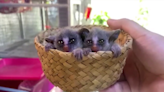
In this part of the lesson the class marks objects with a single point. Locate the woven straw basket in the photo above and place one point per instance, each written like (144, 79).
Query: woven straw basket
(96, 71)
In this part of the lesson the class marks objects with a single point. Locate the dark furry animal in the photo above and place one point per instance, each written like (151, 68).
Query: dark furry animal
(66, 40)
(100, 40)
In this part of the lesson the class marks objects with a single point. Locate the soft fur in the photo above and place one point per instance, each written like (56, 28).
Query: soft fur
(100, 40)
(66, 40)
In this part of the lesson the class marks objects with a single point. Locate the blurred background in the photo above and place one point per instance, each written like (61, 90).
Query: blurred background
(19, 25)
(26, 24)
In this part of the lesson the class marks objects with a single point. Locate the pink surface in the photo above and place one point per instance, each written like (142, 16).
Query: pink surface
(44, 85)
(20, 69)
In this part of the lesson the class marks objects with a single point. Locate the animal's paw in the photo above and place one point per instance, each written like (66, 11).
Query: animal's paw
(86, 51)
(116, 50)
(48, 46)
(78, 54)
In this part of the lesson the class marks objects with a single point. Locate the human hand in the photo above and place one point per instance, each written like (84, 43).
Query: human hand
(144, 69)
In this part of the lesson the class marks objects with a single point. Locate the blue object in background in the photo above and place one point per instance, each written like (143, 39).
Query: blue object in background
(5, 89)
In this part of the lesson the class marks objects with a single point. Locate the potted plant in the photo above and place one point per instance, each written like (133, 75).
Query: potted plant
(101, 18)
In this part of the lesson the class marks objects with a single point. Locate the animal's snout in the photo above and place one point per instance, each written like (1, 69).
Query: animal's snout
(94, 48)
(66, 49)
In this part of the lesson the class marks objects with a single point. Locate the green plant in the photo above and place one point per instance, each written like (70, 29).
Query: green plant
(101, 19)
(142, 17)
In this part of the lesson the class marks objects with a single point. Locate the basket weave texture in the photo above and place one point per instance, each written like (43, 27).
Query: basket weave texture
(96, 71)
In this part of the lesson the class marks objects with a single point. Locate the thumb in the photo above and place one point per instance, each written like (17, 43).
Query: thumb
(129, 26)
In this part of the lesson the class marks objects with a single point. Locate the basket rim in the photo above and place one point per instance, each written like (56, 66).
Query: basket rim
(126, 45)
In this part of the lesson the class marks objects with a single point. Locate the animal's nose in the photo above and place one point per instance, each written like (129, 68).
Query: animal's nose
(94, 48)
(66, 49)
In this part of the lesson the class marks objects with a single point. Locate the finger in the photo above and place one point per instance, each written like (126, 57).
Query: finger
(129, 26)
(122, 78)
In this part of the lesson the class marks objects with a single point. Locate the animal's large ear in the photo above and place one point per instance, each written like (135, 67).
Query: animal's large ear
(50, 39)
(114, 35)
(83, 32)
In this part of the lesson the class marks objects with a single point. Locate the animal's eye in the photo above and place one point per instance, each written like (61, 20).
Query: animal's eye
(89, 41)
(101, 41)
(72, 40)
(60, 42)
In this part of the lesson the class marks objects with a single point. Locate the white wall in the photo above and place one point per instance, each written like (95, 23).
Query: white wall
(129, 8)
(156, 16)
(115, 8)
